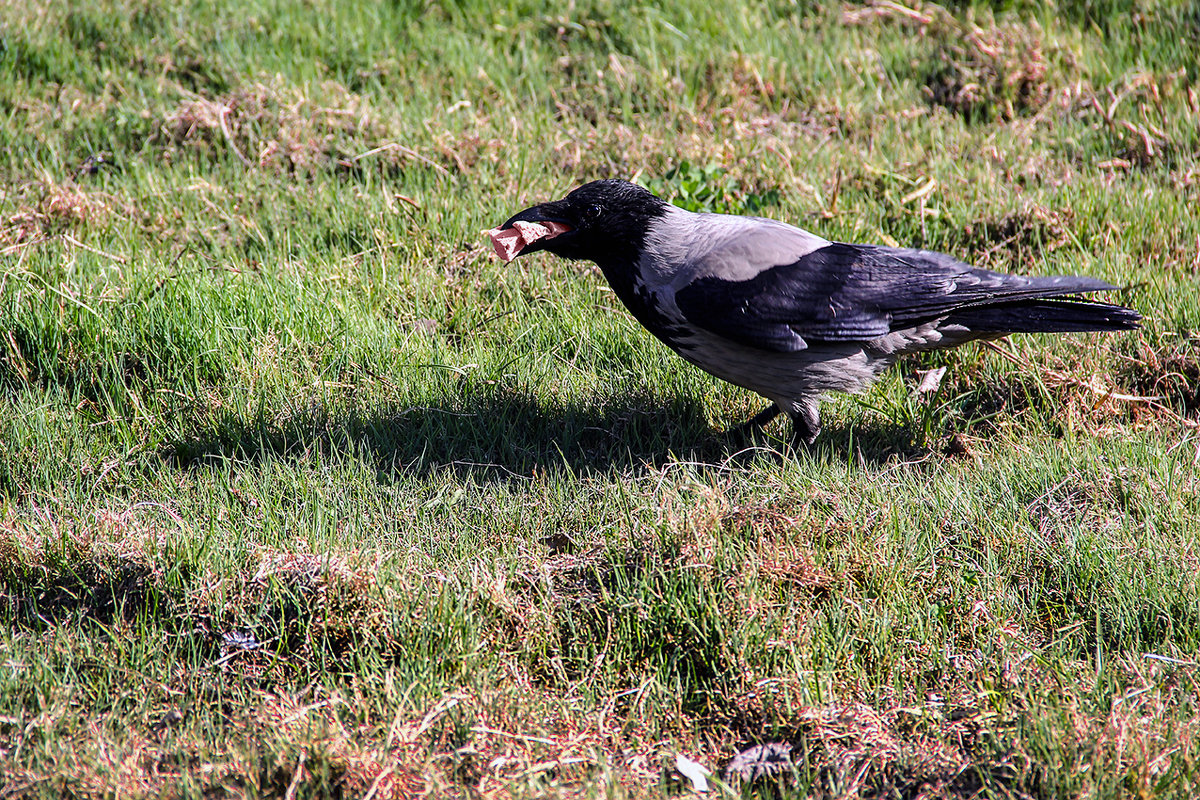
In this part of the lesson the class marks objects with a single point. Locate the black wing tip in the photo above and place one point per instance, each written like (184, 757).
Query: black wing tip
(1069, 307)
(1111, 316)
(1056, 315)
(1126, 319)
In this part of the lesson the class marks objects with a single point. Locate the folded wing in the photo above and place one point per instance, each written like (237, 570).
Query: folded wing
(843, 292)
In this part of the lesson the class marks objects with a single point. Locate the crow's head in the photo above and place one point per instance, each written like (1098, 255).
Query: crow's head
(600, 221)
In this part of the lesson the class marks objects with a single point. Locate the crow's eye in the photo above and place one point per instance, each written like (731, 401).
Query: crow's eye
(594, 210)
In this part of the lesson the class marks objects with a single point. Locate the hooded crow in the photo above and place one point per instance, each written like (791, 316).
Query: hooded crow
(781, 311)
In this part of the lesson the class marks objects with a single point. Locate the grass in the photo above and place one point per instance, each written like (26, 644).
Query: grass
(303, 494)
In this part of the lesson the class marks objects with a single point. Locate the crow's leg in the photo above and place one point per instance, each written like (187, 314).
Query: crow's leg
(806, 421)
(754, 423)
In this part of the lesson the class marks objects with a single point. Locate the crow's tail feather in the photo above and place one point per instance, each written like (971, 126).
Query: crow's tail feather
(1046, 316)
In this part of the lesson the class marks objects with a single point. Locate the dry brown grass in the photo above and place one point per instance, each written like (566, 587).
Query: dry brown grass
(105, 568)
(1171, 372)
(983, 70)
(996, 71)
(1018, 239)
(1132, 110)
(44, 541)
(48, 208)
(278, 127)
(541, 737)
(317, 740)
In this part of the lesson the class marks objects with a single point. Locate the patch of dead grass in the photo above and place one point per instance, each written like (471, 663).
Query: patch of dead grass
(983, 70)
(47, 208)
(100, 568)
(459, 745)
(782, 550)
(793, 565)
(1103, 401)
(861, 747)
(1018, 239)
(546, 740)
(294, 608)
(1133, 111)
(462, 744)
(996, 71)
(314, 740)
(277, 127)
(1171, 372)
(972, 736)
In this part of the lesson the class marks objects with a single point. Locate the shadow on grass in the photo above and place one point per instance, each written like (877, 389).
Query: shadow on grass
(503, 436)
(105, 590)
(516, 436)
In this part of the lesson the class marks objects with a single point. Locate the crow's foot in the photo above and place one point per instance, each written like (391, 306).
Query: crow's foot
(742, 432)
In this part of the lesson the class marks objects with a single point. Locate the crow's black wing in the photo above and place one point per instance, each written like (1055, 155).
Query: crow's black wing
(844, 292)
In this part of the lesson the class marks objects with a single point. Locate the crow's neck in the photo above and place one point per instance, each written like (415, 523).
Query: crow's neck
(640, 301)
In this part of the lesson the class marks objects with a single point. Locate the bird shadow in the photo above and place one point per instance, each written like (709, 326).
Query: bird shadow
(512, 436)
(499, 437)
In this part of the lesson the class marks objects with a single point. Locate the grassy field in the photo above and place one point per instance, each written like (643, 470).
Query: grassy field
(304, 494)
